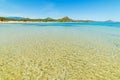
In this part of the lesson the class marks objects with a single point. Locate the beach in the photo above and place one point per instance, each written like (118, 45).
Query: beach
(15, 22)
(59, 51)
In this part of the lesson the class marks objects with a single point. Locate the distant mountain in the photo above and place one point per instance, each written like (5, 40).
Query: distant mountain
(48, 19)
(65, 19)
(16, 18)
(109, 21)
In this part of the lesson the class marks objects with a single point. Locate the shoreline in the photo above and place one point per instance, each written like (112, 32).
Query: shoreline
(15, 22)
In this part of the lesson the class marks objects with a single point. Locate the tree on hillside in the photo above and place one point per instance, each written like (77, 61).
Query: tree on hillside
(2, 19)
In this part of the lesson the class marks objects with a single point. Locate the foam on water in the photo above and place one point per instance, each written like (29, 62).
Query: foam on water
(60, 51)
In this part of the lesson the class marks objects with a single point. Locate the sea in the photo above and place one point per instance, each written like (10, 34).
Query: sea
(60, 51)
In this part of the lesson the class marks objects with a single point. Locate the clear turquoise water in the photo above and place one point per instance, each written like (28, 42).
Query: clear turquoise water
(96, 32)
(104, 35)
(59, 51)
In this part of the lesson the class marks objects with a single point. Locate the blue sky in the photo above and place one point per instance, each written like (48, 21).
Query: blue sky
(76, 9)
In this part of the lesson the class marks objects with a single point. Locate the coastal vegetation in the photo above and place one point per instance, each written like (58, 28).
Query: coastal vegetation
(48, 19)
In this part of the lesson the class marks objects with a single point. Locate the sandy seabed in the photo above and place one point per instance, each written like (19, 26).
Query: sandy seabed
(40, 58)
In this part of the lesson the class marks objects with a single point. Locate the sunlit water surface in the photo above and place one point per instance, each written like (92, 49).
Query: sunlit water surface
(60, 51)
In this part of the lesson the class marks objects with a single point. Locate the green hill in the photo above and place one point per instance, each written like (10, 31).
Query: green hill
(48, 19)
(65, 19)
